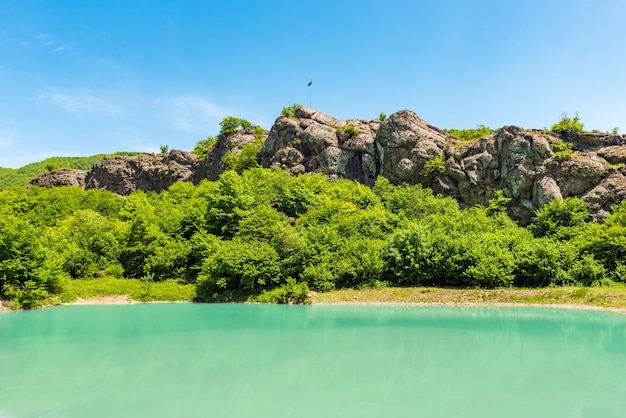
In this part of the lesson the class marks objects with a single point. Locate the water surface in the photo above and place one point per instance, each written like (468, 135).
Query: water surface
(188, 360)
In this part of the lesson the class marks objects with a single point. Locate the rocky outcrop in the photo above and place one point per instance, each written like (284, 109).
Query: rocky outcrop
(405, 149)
(313, 142)
(123, 175)
(211, 167)
(60, 177)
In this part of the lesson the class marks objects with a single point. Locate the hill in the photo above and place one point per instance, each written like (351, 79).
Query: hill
(21, 176)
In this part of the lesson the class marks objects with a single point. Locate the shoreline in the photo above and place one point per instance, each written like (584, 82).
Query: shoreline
(126, 300)
(485, 305)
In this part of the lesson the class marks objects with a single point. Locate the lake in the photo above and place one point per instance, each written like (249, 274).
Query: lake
(242, 360)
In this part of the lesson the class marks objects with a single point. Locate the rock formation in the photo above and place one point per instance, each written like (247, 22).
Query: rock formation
(524, 164)
(212, 166)
(123, 175)
(60, 177)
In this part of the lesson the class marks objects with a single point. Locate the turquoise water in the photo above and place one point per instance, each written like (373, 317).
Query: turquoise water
(188, 360)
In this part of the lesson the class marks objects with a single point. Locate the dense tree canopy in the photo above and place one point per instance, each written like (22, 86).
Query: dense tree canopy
(265, 233)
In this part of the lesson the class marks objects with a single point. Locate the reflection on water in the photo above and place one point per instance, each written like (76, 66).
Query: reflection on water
(337, 361)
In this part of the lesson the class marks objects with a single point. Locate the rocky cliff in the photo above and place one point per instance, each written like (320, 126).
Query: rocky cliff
(530, 166)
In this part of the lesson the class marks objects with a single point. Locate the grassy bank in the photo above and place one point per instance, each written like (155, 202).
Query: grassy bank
(613, 297)
(137, 290)
(604, 297)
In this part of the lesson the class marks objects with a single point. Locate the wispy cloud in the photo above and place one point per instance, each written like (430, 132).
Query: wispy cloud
(81, 103)
(41, 39)
(194, 114)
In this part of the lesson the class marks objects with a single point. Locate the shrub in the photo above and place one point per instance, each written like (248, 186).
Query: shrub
(382, 117)
(351, 130)
(498, 204)
(291, 292)
(240, 264)
(468, 135)
(568, 125)
(290, 111)
(204, 146)
(434, 167)
(560, 219)
(562, 150)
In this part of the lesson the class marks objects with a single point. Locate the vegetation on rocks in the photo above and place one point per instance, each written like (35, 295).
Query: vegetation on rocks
(290, 111)
(568, 125)
(468, 135)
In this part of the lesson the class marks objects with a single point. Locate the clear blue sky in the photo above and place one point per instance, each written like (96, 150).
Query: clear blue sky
(86, 77)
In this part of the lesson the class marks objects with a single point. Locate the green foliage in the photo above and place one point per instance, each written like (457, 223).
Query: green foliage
(562, 150)
(263, 235)
(434, 167)
(164, 149)
(291, 292)
(290, 111)
(245, 159)
(568, 125)
(229, 125)
(382, 117)
(29, 272)
(469, 135)
(52, 167)
(237, 264)
(498, 204)
(560, 219)
(351, 130)
(615, 130)
(204, 146)
(607, 242)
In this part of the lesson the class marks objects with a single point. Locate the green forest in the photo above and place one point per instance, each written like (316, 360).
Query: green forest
(265, 236)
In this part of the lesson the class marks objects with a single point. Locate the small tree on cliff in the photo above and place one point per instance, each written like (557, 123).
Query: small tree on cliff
(229, 125)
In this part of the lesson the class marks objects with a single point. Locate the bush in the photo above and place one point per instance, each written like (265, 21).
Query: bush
(291, 292)
(204, 146)
(238, 264)
(351, 130)
(382, 117)
(434, 167)
(560, 219)
(568, 125)
(468, 135)
(562, 150)
(290, 111)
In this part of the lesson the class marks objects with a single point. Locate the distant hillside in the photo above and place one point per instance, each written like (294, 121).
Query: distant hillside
(21, 176)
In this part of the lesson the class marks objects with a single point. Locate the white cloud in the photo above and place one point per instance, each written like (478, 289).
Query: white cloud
(194, 114)
(61, 48)
(81, 103)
